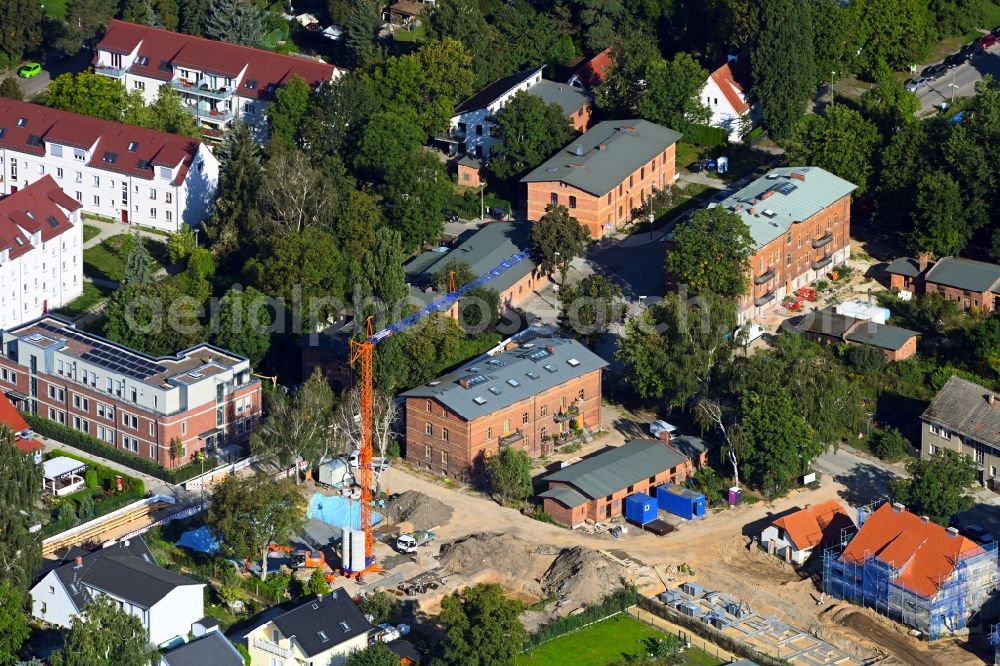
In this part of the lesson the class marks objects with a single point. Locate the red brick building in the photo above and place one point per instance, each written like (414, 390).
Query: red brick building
(971, 284)
(800, 221)
(826, 327)
(595, 488)
(204, 396)
(526, 398)
(606, 176)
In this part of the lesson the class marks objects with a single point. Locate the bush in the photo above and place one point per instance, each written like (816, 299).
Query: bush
(393, 450)
(706, 136)
(92, 445)
(86, 510)
(889, 445)
(616, 602)
(863, 359)
(244, 652)
(543, 516)
(378, 605)
(90, 478)
(67, 512)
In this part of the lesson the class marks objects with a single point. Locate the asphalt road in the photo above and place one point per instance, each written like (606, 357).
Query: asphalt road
(52, 69)
(961, 80)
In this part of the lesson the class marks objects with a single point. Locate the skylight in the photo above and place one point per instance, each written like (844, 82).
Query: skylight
(346, 627)
(549, 367)
(323, 637)
(21, 122)
(538, 355)
(132, 146)
(479, 400)
(533, 375)
(495, 390)
(514, 382)
(573, 362)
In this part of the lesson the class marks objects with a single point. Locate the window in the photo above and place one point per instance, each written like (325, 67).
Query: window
(139, 85)
(506, 426)
(109, 384)
(97, 200)
(542, 432)
(13, 169)
(152, 194)
(79, 155)
(524, 417)
(59, 172)
(152, 213)
(96, 182)
(41, 169)
(581, 394)
(219, 416)
(489, 434)
(428, 406)
(134, 395)
(572, 201)
(943, 433)
(168, 197)
(55, 150)
(788, 259)
(479, 130)
(788, 239)
(543, 410)
(554, 199)
(444, 458)
(79, 196)
(428, 429)
(428, 451)
(248, 108)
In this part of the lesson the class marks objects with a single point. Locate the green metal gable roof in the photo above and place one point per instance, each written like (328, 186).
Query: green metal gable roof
(483, 251)
(771, 204)
(584, 164)
(964, 274)
(881, 335)
(907, 266)
(564, 495)
(618, 468)
(506, 379)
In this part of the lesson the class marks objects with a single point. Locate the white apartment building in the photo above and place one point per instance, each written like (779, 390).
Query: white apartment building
(41, 252)
(217, 81)
(128, 173)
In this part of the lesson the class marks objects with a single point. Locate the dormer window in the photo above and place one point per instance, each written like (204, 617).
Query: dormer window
(142, 61)
(132, 146)
(21, 122)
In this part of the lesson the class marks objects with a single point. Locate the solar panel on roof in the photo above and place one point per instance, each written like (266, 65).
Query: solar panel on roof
(787, 188)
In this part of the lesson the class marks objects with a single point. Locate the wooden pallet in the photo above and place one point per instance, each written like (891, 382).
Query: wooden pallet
(93, 533)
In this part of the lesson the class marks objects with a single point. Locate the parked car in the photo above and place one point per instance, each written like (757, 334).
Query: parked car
(657, 428)
(954, 60)
(29, 70)
(969, 51)
(696, 167)
(935, 71)
(987, 40)
(978, 534)
(916, 83)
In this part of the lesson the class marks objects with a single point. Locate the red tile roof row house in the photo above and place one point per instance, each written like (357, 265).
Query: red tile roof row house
(105, 164)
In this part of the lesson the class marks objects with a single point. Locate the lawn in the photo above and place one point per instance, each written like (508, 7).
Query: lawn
(89, 231)
(91, 296)
(602, 643)
(410, 35)
(106, 261)
(54, 9)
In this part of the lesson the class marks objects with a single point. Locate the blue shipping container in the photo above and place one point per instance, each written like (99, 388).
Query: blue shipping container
(680, 501)
(640, 508)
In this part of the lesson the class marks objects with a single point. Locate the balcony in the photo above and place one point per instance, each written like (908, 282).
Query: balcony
(764, 300)
(272, 648)
(764, 277)
(566, 415)
(113, 72)
(510, 438)
(820, 242)
(822, 263)
(202, 89)
(207, 113)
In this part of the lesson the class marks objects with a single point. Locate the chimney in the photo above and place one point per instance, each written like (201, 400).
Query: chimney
(808, 506)
(665, 437)
(992, 399)
(550, 349)
(752, 211)
(952, 532)
(78, 562)
(464, 383)
(795, 175)
(767, 195)
(897, 507)
(602, 146)
(923, 259)
(924, 519)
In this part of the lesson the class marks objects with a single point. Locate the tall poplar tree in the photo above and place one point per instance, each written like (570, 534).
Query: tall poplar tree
(784, 72)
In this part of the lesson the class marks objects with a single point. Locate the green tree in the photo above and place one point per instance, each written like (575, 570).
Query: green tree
(415, 195)
(528, 131)
(509, 474)
(481, 626)
(192, 16)
(983, 344)
(780, 441)
(248, 513)
(673, 93)
(889, 445)
(360, 31)
(590, 307)
(379, 605)
(712, 252)
(708, 483)
(354, 229)
(784, 73)
(154, 318)
(833, 40)
(840, 141)
(383, 273)
(181, 244)
(83, 20)
(466, 21)
(236, 21)
(387, 140)
(623, 87)
(287, 112)
(22, 28)
(241, 174)
(87, 93)
(141, 11)
(938, 486)
(940, 226)
(301, 268)
(374, 655)
(674, 350)
(177, 449)
(462, 271)
(888, 104)
(316, 584)
(14, 620)
(889, 32)
(244, 324)
(11, 89)
(104, 635)
(167, 114)
(556, 239)
(139, 265)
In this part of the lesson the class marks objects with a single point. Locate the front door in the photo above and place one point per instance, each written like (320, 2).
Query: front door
(13, 188)
(124, 215)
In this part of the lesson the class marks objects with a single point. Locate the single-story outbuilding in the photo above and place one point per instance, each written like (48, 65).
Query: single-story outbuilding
(796, 535)
(826, 327)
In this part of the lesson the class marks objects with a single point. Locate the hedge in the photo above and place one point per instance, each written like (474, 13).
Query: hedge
(105, 475)
(89, 444)
(706, 136)
(616, 602)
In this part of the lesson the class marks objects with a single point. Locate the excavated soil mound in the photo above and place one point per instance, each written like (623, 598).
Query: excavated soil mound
(507, 556)
(419, 510)
(581, 576)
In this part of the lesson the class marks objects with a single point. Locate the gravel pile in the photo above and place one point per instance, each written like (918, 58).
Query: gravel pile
(417, 509)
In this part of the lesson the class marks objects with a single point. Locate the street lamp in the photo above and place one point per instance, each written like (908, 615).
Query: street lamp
(651, 218)
(953, 85)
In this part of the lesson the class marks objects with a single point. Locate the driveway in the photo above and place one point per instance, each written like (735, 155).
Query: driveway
(51, 69)
(959, 82)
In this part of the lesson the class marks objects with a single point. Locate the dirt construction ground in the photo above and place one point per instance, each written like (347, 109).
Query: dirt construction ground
(714, 548)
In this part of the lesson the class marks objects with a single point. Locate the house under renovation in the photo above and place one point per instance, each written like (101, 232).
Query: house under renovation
(911, 570)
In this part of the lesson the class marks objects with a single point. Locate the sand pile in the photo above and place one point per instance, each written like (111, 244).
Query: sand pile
(508, 556)
(581, 576)
(417, 509)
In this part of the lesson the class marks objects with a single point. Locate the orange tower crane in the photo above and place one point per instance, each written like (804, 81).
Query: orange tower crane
(362, 353)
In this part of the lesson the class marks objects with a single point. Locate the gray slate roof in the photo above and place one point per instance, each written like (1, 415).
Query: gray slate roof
(212, 648)
(793, 200)
(483, 251)
(609, 472)
(907, 266)
(487, 95)
(964, 274)
(564, 495)
(628, 145)
(882, 336)
(307, 621)
(689, 445)
(962, 406)
(568, 98)
(510, 377)
(128, 572)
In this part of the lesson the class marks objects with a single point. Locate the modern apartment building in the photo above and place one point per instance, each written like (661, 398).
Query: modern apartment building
(606, 176)
(136, 175)
(800, 221)
(41, 252)
(204, 396)
(217, 81)
(964, 417)
(526, 397)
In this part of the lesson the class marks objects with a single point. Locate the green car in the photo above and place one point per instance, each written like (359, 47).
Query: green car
(29, 70)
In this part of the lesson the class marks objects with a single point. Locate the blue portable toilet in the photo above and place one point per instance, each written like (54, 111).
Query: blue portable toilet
(640, 508)
(680, 501)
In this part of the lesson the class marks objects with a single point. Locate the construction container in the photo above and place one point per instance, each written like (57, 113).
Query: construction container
(680, 501)
(862, 310)
(640, 508)
(334, 472)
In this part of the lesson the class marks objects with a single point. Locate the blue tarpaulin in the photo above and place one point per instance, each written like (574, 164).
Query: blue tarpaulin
(201, 540)
(338, 511)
